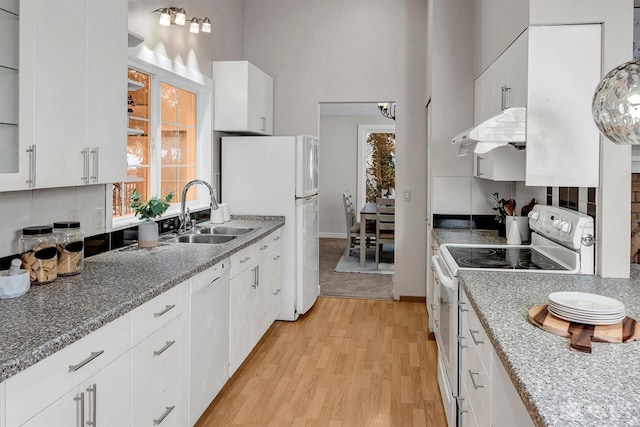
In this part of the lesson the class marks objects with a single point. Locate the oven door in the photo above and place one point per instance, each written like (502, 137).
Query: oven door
(446, 332)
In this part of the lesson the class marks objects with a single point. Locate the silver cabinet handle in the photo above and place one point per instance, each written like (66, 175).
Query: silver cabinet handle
(164, 348)
(213, 281)
(93, 391)
(435, 322)
(245, 259)
(478, 159)
(32, 166)
(95, 155)
(460, 345)
(80, 409)
(277, 238)
(164, 415)
(85, 169)
(460, 309)
(473, 380)
(461, 402)
(433, 268)
(264, 247)
(473, 337)
(277, 291)
(277, 258)
(434, 306)
(264, 123)
(94, 354)
(167, 308)
(255, 278)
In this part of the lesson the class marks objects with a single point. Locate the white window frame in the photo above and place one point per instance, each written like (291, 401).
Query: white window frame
(177, 75)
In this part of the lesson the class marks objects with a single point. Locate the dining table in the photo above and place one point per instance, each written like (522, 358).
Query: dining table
(368, 212)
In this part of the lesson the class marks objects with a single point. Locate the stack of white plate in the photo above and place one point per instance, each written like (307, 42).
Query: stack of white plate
(590, 309)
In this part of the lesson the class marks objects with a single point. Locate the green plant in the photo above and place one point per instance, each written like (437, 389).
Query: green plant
(153, 208)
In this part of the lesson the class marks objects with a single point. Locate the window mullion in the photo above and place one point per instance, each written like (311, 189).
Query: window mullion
(156, 139)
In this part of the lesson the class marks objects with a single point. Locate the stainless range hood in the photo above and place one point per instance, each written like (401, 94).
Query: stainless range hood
(509, 127)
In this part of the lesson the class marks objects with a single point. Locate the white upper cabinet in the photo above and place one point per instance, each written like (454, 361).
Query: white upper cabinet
(552, 71)
(563, 143)
(73, 93)
(243, 98)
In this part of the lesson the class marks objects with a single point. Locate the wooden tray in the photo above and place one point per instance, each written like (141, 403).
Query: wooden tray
(583, 335)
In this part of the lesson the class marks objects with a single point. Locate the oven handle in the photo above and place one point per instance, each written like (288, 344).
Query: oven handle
(444, 278)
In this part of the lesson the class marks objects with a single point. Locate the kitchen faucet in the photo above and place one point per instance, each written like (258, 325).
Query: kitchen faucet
(184, 217)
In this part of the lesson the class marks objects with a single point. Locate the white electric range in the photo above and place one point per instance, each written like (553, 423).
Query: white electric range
(562, 241)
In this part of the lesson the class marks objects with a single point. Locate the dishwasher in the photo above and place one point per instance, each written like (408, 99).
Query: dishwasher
(209, 337)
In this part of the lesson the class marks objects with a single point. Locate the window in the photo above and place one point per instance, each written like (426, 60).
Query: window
(168, 140)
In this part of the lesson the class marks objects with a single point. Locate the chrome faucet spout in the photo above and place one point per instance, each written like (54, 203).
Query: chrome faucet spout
(183, 215)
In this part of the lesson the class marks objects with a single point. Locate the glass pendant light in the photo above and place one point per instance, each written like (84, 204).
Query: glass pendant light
(616, 104)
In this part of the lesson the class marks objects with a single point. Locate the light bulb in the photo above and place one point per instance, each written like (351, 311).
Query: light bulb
(194, 27)
(181, 16)
(165, 17)
(206, 25)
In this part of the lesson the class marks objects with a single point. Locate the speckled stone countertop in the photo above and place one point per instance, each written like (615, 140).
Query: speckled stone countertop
(560, 387)
(482, 237)
(50, 317)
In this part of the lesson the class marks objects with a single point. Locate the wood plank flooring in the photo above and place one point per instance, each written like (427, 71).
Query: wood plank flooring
(348, 362)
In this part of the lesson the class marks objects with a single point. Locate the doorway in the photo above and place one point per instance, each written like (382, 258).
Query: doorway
(352, 137)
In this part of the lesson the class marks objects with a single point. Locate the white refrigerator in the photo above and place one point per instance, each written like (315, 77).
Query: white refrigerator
(278, 175)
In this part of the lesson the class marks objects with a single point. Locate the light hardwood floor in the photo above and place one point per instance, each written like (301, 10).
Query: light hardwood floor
(348, 362)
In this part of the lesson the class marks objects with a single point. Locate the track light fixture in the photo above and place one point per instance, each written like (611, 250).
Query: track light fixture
(178, 16)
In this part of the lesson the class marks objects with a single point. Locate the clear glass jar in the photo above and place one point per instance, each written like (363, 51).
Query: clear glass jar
(70, 244)
(38, 254)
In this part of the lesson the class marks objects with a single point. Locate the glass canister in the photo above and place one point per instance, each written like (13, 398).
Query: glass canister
(38, 254)
(70, 244)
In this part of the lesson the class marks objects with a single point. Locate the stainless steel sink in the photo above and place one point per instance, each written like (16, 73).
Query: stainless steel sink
(233, 231)
(211, 239)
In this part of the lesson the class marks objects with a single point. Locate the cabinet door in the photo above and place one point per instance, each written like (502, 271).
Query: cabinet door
(563, 143)
(66, 411)
(517, 60)
(276, 284)
(55, 105)
(260, 107)
(501, 164)
(241, 317)
(107, 394)
(107, 90)
(261, 293)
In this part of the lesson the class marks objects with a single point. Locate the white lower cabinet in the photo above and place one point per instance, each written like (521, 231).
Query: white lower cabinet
(275, 283)
(167, 410)
(90, 378)
(251, 297)
(487, 395)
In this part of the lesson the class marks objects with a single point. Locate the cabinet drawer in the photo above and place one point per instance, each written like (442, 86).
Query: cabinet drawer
(274, 238)
(32, 390)
(242, 260)
(479, 339)
(169, 409)
(157, 362)
(465, 411)
(159, 311)
(478, 383)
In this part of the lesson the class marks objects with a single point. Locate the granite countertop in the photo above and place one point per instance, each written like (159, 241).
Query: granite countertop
(50, 317)
(559, 387)
(482, 237)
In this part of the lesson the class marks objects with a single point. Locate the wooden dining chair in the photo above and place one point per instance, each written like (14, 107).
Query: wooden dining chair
(385, 224)
(353, 226)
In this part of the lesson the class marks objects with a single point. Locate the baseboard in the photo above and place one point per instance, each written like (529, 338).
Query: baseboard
(324, 235)
(409, 298)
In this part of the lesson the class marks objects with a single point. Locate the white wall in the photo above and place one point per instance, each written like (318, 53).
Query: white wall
(352, 51)
(195, 51)
(338, 167)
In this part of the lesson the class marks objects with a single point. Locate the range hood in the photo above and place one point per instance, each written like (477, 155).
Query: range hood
(508, 127)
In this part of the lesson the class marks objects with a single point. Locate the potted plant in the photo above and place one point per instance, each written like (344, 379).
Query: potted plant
(147, 211)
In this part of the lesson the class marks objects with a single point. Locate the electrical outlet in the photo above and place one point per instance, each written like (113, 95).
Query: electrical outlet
(73, 215)
(98, 218)
(407, 196)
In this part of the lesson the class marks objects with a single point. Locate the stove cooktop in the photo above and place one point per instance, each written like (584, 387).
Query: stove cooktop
(508, 258)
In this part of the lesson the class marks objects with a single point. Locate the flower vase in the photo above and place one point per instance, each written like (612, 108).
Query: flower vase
(148, 234)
